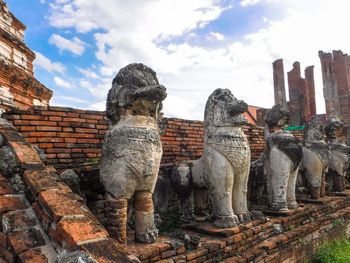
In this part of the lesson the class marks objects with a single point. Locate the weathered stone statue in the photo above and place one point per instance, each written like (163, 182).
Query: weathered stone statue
(224, 165)
(339, 156)
(315, 157)
(132, 149)
(283, 154)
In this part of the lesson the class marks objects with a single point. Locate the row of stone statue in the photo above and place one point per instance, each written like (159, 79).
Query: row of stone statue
(132, 152)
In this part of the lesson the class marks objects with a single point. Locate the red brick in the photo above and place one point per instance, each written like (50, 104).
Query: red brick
(99, 251)
(5, 188)
(83, 130)
(58, 204)
(48, 128)
(79, 230)
(33, 256)
(74, 119)
(17, 220)
(39, 181)
(27, 128)
(8, 203)
(42, 134)
(30, 117)
(196, 253)
(24, 240)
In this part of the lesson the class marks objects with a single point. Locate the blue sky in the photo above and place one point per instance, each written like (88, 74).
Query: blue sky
(194, 46)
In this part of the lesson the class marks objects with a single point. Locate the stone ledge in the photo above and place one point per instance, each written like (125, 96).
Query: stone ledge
(76, 225)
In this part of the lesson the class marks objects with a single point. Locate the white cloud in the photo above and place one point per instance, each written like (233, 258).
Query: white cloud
(142, 31)
(101, 106)
(89, 73)
(76, 46)
(100, 90)
(250, 2)
(62, 83)
(217, 36)
(73, 99)
(45, 63)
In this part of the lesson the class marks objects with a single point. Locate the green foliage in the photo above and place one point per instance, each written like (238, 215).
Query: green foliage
(290, 227)
(96, 160)
(334, 252)
(170, 222)
(338, 222)
(311, 219)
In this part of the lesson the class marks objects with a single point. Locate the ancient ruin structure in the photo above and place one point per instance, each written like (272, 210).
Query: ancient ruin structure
(223, 168)
(283, 154)
(315, 157)
(132, 149)
(50, 214)
(339, 156)
(301, 103)
(336, 85)
(18, 86)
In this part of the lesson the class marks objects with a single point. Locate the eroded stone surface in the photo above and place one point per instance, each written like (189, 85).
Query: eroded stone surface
(132, 148)
(283, 154)
(339, 156)
(315, 157)
(223, 168)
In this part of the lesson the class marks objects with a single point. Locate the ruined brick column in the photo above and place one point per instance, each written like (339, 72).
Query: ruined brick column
(278, 83)
(296, 86)
(330, 91)
(342, 73)
(310, 92)
(116, 217)
(336, 85)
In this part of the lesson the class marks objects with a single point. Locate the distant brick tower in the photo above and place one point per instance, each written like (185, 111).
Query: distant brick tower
(336, 84)
(301, 104)
(18, 86)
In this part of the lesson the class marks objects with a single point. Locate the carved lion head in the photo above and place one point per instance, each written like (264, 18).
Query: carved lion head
(136, 90)
(277, 117)
(314, 131)
(223, 109)
(332, 128)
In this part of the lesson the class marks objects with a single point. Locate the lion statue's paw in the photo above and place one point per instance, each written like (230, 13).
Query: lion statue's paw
(149, 237)
(244, 217)
(226, 221)
(293, 205)
(279, 206)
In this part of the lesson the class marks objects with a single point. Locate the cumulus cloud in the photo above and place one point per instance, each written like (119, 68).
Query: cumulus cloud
(216, 36)
(62, 83)
(143, 31)
(76, 46)
(89, 73)
(45, 63)
(73, 99)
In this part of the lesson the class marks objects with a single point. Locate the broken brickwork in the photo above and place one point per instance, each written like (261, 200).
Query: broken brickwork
(46, 220)
(301, 104)
(336, 84)
(18, 86)
(73, 138)
(279, 83)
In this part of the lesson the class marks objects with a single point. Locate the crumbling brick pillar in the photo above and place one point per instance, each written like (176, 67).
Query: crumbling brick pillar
(116, 218)
(279, 84)
(310, 92)
(144, 213)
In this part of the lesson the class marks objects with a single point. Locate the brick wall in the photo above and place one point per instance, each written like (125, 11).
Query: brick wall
(72, 138)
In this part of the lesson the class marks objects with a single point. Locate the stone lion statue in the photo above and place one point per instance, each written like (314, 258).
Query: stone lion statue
(339, 156)
(132, 148)
(315, 157)
(223, 168)
(282, 157)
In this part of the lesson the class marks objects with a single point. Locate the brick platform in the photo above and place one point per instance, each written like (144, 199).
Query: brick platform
(56, 218)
